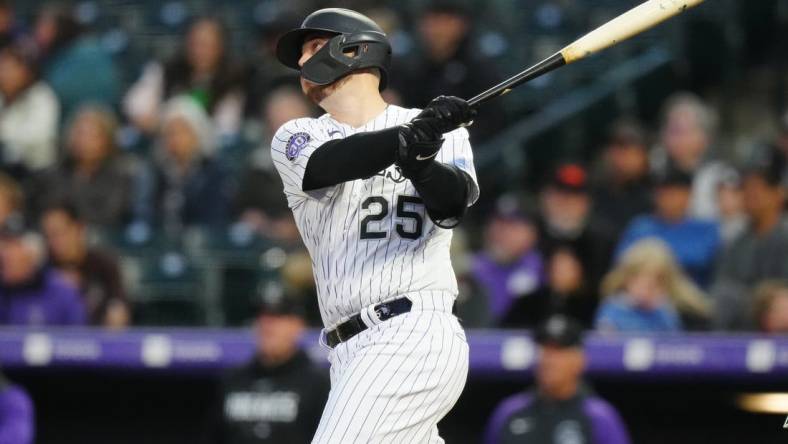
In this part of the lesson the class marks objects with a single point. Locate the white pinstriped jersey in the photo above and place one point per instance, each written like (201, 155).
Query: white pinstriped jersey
(370, 240)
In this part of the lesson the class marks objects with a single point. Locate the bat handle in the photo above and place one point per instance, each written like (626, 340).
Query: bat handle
(554, 61)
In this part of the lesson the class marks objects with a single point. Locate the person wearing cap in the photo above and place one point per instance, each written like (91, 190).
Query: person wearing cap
(17, 414)
(278, 396)
(561, 408)
(510, 267)
(566, 219)
(623, 188)
(760, 252)
(31, 294)
(450, 63)
(694, 242)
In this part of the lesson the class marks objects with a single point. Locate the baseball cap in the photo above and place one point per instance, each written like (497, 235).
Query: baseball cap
(273, 298)
(571, 177)
(509, 207)
(767, 163)
(559, 330)
(13, 226)
(673, 177)
(627, 133)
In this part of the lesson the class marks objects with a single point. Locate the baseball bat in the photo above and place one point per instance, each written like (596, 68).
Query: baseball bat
(636, 20)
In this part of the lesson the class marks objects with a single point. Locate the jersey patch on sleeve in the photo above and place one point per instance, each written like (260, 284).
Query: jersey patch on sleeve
(295, 144)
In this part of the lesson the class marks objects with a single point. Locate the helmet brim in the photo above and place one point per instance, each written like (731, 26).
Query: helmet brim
(288, 48)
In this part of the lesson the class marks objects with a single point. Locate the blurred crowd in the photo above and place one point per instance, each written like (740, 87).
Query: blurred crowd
(122, 201)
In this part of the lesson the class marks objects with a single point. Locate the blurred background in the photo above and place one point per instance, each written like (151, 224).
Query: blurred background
(146, 245)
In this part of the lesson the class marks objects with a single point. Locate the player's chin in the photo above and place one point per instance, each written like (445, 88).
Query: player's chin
(315, 92)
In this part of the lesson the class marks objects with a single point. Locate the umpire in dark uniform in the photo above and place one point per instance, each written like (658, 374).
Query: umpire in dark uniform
(561, 410)
(279, 395)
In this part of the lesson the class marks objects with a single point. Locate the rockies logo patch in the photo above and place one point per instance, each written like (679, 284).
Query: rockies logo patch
(295, 144)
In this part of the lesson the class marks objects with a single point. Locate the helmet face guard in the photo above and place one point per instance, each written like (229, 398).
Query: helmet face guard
(343, 54)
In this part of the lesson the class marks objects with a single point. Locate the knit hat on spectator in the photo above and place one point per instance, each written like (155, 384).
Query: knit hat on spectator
(190, 111)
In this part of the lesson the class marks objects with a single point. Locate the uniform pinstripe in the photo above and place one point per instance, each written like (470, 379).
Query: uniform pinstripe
(371, 241)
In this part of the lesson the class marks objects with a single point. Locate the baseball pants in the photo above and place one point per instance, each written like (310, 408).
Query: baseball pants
(394, 381)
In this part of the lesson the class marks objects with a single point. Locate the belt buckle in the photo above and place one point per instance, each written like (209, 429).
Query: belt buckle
(382, 311)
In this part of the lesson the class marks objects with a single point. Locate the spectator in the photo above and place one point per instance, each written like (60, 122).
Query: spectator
(9, 28)
(28, 114)
(280, 375)
(184, 185)
(260, 200)
(74, 63)
(566, 292)
(686, 137)
(203, 70)
(17, 414)
(648, 292)
(566, 220)
(94, 175)
(30, 293)
(510, 267)
(11, 198)
(771, 306)
(730, 201)
(782, 146)
(451, 65)
(694, 242)
(265, 72)
(561, 409)
(761, 251)
(94, 272)
(624, 188)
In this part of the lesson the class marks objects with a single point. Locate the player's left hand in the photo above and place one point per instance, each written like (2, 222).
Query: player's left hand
(451, 112)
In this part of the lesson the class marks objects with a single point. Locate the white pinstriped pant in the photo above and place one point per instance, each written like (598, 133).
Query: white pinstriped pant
(393, 382)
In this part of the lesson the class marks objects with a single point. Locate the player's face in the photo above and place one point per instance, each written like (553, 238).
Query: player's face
(317, 93)
(311, 46)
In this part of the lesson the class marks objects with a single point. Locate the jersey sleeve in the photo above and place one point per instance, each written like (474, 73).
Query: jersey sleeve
(291, 148)
(457, 151)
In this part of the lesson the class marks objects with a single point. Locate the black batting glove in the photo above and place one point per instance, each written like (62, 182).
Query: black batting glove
(451, 113)
(418, 146)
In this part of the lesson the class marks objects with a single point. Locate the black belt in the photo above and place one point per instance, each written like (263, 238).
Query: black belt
(356, 325)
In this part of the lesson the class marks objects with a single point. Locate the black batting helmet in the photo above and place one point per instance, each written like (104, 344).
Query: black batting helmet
(357, 43)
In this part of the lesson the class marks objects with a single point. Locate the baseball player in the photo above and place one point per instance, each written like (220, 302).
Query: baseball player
(375, 190)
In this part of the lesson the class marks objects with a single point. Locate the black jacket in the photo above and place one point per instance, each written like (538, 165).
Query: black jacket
(279, 404)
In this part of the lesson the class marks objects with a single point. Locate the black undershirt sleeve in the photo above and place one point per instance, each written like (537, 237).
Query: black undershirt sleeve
(444, 190)
(354, 157)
